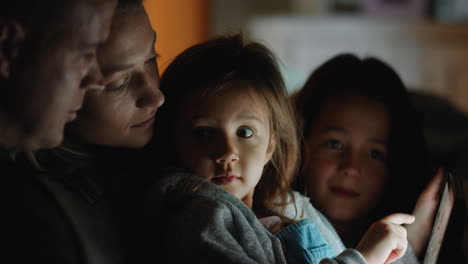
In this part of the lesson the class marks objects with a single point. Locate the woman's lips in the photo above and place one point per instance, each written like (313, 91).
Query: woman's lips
(223, 180)
(344, 193)
(145, 124)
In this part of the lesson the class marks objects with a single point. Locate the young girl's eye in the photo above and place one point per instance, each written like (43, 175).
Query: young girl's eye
(333, 144)
(203, 132)
(118, 85)
(244, 132)
(377, 154)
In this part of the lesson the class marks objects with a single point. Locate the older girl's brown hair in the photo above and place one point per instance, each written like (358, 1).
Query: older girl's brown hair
(220, 64)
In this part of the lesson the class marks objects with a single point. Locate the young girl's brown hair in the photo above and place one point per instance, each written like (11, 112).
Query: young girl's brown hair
(228, 63)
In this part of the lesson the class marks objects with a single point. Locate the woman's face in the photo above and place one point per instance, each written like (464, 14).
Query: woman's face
(122, 115)
(346, 153)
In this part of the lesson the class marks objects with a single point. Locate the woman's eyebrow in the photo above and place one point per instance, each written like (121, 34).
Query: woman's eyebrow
(110, 71)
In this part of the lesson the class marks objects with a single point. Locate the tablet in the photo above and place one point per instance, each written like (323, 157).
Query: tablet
(440, 224)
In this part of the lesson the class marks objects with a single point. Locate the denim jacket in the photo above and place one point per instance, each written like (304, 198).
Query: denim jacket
(303, 243)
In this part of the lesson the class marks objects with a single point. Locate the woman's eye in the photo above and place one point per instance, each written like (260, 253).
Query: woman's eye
(245, 132)
(203, 132)
(118, 85)
(377, 154)
(333, 144)
(153, 59)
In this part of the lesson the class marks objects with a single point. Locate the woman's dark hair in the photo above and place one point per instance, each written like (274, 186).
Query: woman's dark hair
(226, 63)
(347, 74)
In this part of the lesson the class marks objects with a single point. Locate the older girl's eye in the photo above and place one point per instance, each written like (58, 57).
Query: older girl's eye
(203, 132)
(118, 85)
(377, 154)
(244, 132)
(333, 144)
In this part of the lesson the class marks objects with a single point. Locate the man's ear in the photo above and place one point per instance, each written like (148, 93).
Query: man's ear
(271, 148)
(11, 37)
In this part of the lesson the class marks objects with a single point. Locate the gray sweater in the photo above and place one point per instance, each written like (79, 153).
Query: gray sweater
(190, 220)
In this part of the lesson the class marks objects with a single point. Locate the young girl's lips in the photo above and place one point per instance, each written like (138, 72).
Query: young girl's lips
(344, 193)
(223, 180)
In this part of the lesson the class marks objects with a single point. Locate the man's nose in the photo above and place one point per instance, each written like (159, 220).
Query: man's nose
(94, 78)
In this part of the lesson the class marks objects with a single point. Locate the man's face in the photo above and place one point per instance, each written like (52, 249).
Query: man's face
(53, 82)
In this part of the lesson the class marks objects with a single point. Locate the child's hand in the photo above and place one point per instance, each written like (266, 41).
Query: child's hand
(385, 240)
(424, 211)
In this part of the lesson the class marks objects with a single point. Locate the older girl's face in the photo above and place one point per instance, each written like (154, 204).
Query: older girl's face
(346, 157)
(122, 115)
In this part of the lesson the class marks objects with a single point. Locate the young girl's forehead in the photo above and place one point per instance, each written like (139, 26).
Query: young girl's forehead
(208, 94)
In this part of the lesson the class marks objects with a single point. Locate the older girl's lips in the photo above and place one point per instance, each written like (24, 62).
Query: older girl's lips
(344, 192)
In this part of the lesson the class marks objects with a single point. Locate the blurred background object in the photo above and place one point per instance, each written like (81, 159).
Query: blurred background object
(179, 24)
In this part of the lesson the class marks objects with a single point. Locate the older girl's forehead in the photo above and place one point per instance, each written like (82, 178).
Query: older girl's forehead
(356, 114)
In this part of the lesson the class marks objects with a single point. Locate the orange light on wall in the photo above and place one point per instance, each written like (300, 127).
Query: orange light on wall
(179, 24)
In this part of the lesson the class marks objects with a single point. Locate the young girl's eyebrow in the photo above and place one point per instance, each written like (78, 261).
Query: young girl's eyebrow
(250, 117)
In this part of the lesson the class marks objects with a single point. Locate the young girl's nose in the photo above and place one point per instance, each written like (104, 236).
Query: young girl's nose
(228, 153)
(226, 160)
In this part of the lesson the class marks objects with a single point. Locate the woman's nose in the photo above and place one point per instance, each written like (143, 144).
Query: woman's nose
(151, 95)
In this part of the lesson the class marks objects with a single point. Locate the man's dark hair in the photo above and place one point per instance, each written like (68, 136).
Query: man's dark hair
(37, 16)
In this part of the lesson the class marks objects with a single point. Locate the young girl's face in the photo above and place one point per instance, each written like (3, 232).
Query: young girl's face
(346, 157)
(225, 139)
